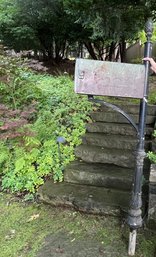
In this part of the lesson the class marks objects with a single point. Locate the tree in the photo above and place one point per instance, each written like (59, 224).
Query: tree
(37, 25)
(51, 26)
(13, 32)
(112, 23)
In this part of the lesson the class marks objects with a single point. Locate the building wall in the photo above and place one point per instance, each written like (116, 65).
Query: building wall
(136, 52)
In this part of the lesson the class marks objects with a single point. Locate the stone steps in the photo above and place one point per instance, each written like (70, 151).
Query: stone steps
(115, 129)
(100, 175)
(90, 199)
(131, 108)
(97, 154)
(100, 180)
(112, 141)
(115, 117)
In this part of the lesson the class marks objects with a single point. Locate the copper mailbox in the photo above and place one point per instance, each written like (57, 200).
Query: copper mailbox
(109, 78)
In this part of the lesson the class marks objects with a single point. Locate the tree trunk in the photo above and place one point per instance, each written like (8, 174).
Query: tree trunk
(117, 57)
(57, 52)
(111, 55)
(90, 49)
(122, 46)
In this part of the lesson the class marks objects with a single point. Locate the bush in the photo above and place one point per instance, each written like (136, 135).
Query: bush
(16, 88)
(30, 151)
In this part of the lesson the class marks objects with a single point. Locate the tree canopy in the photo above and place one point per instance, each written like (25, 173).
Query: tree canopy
(52, 26)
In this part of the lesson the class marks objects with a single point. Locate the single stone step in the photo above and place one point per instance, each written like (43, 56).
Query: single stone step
(131, 108)
(115, 129)
(90, 199)
(112, 141)
(118, 118)
(105, 175)
(96, 154)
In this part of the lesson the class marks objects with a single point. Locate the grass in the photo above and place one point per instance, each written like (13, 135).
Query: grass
(24, 226)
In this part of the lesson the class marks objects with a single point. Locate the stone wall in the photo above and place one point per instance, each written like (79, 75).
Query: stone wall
(152, 198)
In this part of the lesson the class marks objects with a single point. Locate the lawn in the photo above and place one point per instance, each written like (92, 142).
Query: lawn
(27, 226)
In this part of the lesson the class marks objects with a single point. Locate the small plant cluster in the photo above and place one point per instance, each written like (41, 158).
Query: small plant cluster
(151, 154)
(16, 88)
(35, 110)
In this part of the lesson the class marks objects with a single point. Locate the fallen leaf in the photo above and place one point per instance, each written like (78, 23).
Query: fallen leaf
(11, 234)
(33, 217)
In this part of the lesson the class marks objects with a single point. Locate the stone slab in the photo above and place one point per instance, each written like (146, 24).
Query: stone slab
(103, 175)
(152, 211)
(152, 177)
(153, 148)
(96, 200)
(96, 154)
(112, 141)
(116, 117)
(152, 188)
(131, 108)
(114, 128)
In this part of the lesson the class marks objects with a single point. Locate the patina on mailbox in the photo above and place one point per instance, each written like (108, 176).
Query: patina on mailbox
(109, 78)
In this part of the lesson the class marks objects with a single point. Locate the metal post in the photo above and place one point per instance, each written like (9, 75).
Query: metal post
(134, 219)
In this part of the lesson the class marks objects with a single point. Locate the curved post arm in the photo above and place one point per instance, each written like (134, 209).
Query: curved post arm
(115, 108)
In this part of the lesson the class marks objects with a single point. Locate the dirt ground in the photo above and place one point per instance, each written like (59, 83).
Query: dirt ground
(112, 241)
(63, 245)
(65, 67)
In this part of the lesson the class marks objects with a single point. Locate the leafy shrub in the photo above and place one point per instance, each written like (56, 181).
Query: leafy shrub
(34, 153)
(152, 156)
(16, 88)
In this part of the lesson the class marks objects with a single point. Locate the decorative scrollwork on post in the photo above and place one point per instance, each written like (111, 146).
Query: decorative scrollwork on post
(149, 29)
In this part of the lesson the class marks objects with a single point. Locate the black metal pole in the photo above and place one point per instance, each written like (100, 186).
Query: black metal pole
(134, 219)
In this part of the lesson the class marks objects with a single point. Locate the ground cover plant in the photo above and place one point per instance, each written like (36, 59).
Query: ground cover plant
(41, 121)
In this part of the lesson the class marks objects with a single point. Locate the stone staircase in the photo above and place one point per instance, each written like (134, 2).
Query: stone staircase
(100, 180)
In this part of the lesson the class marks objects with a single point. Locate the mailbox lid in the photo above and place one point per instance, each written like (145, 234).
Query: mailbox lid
(109, 78)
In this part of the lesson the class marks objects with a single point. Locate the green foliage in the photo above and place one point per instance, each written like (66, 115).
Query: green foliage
(14, 31)
(136, 61)
(152, 98)
(142, 35)
(16, 89)
(152, 156)
(152, 91)
(111, 24)
(109, 20)
(36, 25)
(53, 27)
(27, 160)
